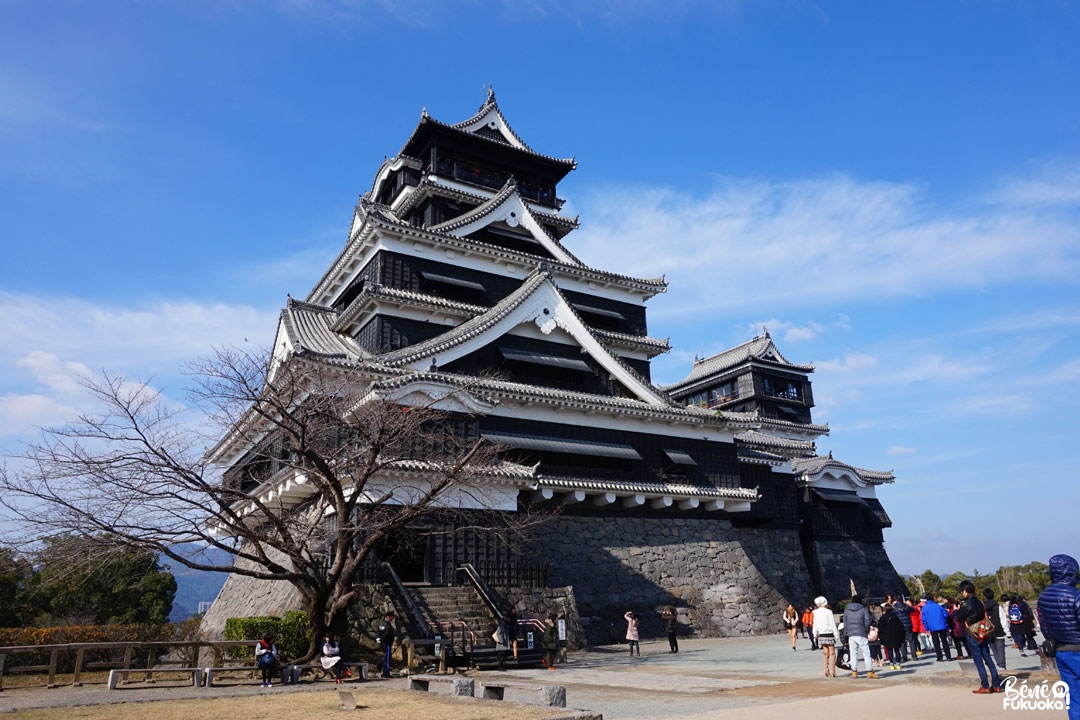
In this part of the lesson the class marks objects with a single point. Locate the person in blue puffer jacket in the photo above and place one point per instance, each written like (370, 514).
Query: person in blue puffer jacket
(1059, 617)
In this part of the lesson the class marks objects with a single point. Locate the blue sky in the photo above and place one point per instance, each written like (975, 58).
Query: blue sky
(893, 189)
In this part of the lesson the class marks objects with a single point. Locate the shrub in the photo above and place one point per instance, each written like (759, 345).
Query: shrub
(292, 633)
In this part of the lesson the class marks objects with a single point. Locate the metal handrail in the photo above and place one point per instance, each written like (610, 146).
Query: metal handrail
(486, 593)
(398, 587)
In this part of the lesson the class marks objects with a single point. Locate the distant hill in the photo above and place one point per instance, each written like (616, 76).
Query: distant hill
(196, 586)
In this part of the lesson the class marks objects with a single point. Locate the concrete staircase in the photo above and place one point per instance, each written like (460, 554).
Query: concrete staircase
(442, 604)
(463, 604)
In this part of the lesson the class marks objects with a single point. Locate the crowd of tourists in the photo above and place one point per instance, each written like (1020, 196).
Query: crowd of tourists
(977, 626)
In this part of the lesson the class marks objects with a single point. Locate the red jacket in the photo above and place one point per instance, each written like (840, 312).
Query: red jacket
(916, 622)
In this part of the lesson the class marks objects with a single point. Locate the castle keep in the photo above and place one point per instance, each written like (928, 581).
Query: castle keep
(708, 494)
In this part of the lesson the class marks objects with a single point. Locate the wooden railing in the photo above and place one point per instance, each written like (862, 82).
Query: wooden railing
(132, 652)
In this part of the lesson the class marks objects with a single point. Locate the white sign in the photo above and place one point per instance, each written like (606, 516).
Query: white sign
(562, 629)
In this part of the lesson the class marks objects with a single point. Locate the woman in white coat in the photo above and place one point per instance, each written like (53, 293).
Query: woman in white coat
(825, 631)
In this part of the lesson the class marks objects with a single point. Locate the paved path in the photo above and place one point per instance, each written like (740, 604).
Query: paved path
(760, 677)
(725, 679)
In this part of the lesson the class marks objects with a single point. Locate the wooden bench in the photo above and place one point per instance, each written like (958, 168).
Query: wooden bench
(550, 695)
(456, 685)
(360, 668)
(116, 674)
(212, 672)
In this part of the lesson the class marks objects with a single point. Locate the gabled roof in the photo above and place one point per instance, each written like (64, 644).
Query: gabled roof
(369, 217)
(810, 468)
(354, 314)
(491, 118)
(433, 185)
(539, 301)
(490, 125)
(508, 207)
(760, 349)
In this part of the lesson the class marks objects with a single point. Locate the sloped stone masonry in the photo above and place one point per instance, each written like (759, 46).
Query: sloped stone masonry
(698, 566)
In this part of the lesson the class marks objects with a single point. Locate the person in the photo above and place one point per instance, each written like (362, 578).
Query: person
(791, 622)
(916, 629)
(825, 632)
(997, 638)
(331, 657)
(1016, 624)
(385, 637)
(956, 628)
(1029, 625)
(1058, 607)
(632, 635)
(550, 642)
(971, 612)
(892, 634)
(502, 640)
(672, 628)
(936, 622)
(808, 626)
(903, 613)
(857, 621)
(514, 631)
(266, 657)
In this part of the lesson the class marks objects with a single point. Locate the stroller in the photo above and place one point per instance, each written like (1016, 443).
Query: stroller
(843, 652)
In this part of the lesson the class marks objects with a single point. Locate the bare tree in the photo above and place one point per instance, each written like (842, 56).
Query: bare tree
(323, 463)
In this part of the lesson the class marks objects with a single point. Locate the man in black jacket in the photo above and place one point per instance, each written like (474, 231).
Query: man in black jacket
(385, 637)
(972, 611)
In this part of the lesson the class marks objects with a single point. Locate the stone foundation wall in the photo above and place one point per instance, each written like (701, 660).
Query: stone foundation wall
(843, 562)
(539, 602)
(698, 566)
(778, 555)
(242, 596)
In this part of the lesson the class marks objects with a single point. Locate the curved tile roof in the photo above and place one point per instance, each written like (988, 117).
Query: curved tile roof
(488, 207)
(310, 331)
(755, 438)
(411, 297)
(760, 348)
(382, 215)
(425, 119)
(817, 464)
(646, 488)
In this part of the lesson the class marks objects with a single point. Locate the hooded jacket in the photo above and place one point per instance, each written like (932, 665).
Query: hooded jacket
(1059, 604)
(934, 617)
(857, 620)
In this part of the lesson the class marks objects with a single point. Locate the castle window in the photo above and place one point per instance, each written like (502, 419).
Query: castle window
(563, 445)
(680, 457)
(537, 358)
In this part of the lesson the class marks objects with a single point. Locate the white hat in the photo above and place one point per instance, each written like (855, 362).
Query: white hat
(820, 601)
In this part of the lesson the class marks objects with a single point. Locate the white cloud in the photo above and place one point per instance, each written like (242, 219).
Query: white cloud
(900, 450)
(1055, 182)
(55, 374)
(153, 336)
(822, 241)
(50, 342)
(850, 363)
(20, 415)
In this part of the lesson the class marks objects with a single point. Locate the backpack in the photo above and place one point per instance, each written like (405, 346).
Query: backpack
(1015, 615)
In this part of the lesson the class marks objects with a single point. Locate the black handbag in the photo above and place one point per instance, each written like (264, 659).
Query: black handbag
(1049, 647)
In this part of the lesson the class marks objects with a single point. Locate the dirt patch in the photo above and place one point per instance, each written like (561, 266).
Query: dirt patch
(302, 706)
(798, 689)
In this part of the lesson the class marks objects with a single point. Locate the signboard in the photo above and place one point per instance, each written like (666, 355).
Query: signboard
(438, 646)
(529, 638)
(562, 630)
